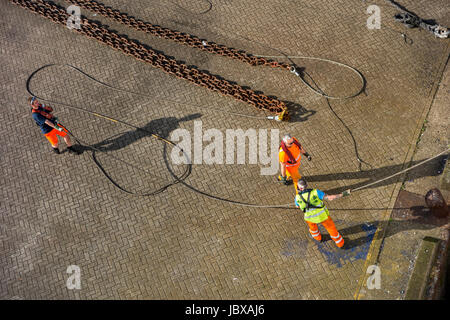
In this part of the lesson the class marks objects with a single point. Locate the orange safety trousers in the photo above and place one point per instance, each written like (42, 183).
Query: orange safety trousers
(331, 228)
(52, 136)
(293, 172)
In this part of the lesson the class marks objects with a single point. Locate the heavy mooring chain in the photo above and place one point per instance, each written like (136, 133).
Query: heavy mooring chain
(167, 64)
(177, 36)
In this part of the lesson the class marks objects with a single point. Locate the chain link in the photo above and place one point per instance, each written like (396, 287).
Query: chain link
(169, 65)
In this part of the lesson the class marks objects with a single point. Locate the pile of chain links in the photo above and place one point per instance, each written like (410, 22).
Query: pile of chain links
(133, 48)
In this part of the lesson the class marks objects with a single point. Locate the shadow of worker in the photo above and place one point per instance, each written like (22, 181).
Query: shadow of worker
(161, 127)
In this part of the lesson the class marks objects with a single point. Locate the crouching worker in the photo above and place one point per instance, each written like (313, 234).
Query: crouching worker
(310, 201)
(48, 123)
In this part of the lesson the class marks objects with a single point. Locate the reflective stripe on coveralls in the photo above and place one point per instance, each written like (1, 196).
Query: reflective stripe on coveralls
(316, 234)
(297, 162)
(337, 239)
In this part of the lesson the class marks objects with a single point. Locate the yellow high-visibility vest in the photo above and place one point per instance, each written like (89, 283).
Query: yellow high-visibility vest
(314, 208)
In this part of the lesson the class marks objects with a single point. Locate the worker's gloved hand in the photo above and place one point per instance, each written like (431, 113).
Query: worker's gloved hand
(308, 156)
(58, 128)
(346, 193)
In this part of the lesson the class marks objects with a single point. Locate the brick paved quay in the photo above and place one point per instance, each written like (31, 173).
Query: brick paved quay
(60, 210)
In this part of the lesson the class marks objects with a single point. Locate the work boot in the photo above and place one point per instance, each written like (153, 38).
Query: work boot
(345, 246)
(56, 150)
(339, 241)
(286, 181)
(73, 150)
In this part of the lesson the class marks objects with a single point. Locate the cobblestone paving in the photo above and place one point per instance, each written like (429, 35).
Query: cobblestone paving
(60, 210)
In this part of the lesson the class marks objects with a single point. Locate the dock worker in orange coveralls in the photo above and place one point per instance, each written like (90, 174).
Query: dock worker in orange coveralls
(290, 155)
(310, 201)
(48, 123)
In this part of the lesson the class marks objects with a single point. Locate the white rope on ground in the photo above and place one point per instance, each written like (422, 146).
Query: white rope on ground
(324, 60)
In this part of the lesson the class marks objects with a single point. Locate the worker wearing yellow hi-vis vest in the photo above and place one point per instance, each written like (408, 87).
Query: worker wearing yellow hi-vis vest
(310, 201)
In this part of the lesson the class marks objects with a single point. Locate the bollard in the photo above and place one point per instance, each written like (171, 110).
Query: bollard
(436, 202)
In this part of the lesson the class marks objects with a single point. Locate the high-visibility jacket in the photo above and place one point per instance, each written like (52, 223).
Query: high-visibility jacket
(314, 209)
(293, 157)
